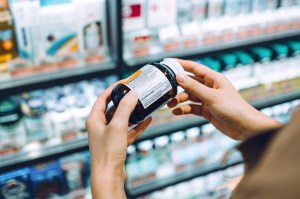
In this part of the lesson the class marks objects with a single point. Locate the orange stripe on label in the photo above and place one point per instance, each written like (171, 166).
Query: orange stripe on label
(133, 76)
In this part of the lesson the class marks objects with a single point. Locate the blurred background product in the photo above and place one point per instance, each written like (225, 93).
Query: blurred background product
(57, 56)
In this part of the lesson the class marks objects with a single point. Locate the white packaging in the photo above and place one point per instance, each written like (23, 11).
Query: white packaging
(258, 5)
(169, 34)
(215, 8)
(91, 24)
(232, 7)
(134, 15)
(161, 13)
(59, 29)
(199, 9)
(184, 14)
(28, 21)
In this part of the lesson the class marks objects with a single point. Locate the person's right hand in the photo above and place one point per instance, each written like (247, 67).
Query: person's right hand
(220, 104)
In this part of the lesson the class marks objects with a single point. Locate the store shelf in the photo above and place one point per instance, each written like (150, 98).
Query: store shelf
(43, 154)
(134, 61)
(171, 127)
(202, 170)
(27, 158)
(15, 82)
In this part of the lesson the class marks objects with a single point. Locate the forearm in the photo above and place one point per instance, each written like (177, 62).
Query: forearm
(106, 185)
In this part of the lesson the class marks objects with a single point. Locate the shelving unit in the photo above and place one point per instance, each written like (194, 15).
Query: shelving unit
(27, 158)
(7, 85)
(119, 65)
(202, 170)
(135, 61)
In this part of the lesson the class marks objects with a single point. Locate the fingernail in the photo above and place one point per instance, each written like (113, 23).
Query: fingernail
(181, 78)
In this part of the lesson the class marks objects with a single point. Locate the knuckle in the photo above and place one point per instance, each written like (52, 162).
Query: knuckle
(88, 123)
(193, 86)
(115, 125)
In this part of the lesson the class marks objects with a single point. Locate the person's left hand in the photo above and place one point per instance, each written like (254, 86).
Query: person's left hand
(108, 140)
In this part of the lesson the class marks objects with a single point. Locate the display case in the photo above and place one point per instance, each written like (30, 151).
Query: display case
(54, 64)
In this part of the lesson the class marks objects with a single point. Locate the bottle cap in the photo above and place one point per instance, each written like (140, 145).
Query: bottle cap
(174, 65)
(193, 132)
(262, 54)
(161, 141)
(177, 137)
(212, 63)
(229, 60)
(244, 58)
(7, 106)
(294, 46)
(145, 146)
(131, 149)
(280, 50)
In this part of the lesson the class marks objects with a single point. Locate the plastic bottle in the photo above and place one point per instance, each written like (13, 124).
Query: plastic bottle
(166, 167)
(36, 119)
(147, 161)
(12, 129)
(155, 84)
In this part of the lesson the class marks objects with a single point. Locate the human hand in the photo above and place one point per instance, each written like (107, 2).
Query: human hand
(108, 141)
(220, 103)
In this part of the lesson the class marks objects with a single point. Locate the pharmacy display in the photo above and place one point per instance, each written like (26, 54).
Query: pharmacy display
(46, 35)
(153, 27)
(46, 118)
(148, 161)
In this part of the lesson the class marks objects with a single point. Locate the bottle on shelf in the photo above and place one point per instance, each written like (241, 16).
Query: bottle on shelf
(62, 121)
(179, 157)
(132, 167)
(12, 128)
(36, 119)
(162, 151)
(147, 161)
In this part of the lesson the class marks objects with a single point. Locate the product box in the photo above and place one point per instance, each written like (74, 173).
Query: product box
(3, 4)
(15, 184)
(134, 17)
(139, 42)
(161, 13)
(47, 180)
(27, 23)
(8, 44)
(59, 32)
(73, 168)
(170, 37)
(92, 32)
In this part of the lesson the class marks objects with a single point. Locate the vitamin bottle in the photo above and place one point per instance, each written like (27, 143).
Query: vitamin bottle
(155, 85)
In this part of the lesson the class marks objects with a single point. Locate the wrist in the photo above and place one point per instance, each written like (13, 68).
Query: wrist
(256, 122)
(107, 183)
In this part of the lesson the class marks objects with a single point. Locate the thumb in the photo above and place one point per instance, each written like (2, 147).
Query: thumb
(124, 109)
(193, 87)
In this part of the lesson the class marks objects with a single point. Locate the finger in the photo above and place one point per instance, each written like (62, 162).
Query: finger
(193, 87)
(188, 109)
(99, 107)
(124, 110)
(196, 68)
(181, 98)
(138, 130)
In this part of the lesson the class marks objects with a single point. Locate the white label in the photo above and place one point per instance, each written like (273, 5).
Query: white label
(150, 84)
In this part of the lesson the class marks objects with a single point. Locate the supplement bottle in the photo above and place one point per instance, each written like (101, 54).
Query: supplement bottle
(155, 85)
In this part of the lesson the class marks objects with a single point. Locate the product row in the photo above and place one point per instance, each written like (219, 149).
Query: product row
(38, 35)
(139, 14)
(183, 151)
(258, 65)
(215, 185)
(144, 38)
(68, 177)
(162, 157)
(47, 117)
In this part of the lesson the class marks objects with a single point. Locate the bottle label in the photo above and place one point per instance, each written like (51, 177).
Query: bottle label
(150, 83)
